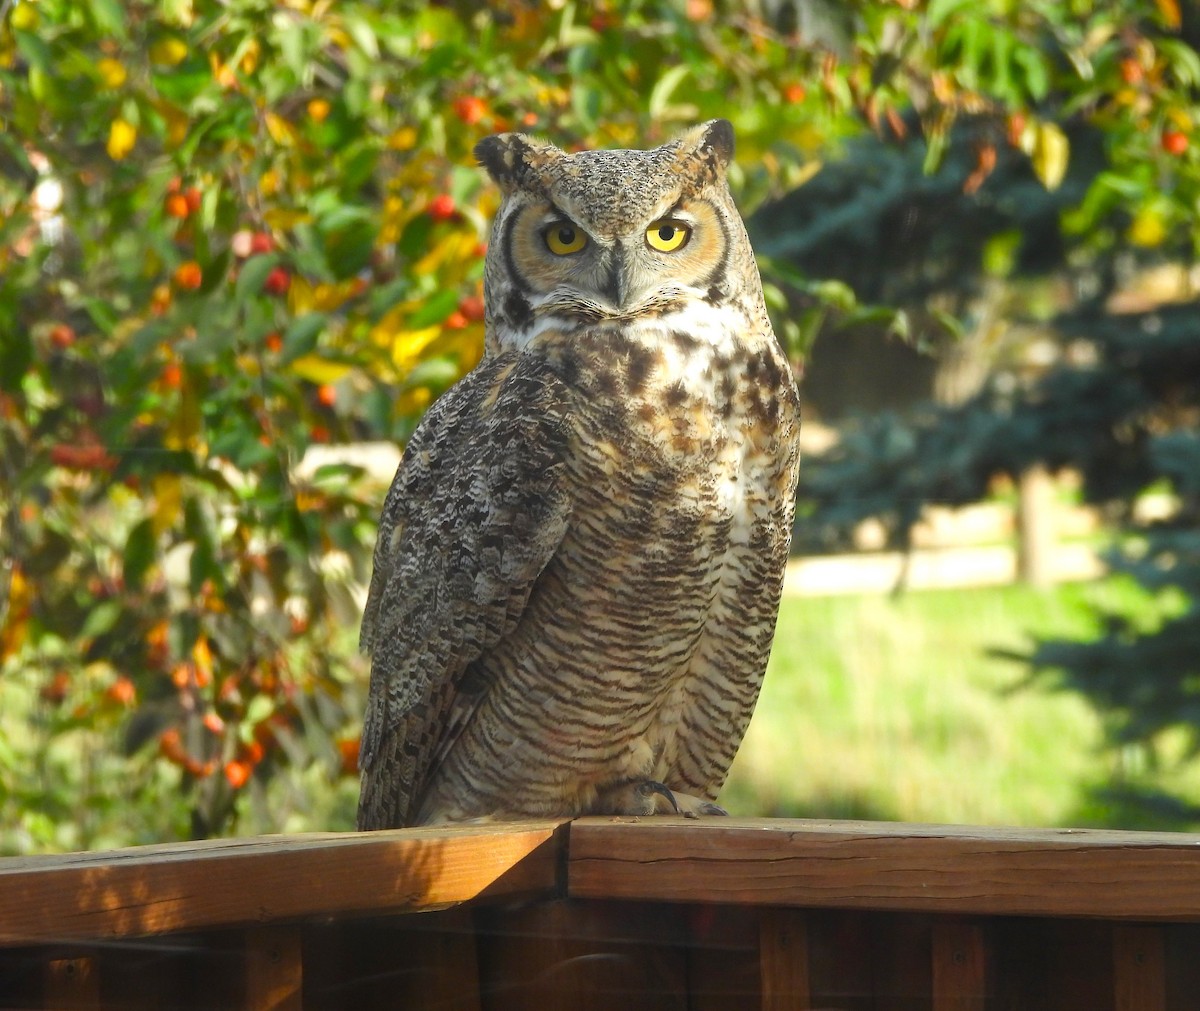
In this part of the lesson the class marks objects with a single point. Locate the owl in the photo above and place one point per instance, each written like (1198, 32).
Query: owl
(580, 559)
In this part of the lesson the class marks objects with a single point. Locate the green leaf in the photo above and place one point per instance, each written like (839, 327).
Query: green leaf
(253, 275)
(664, 87)
(300, 338)
(109, 17)
(16, 355)
(435, 309)
(140, 550)
(102, 618)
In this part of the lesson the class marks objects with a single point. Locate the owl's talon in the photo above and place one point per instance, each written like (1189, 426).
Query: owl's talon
(637, 798)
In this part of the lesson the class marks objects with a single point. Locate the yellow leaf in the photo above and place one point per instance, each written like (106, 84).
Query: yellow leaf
(168, 502)
(283, 219)
(168, 52)
(122, 136)
(1147, 228)
(1169, 9)
(319, 370)
(1051, 153)
(203, 659)
(112, 72)
(455, 247)
(176, 121)
(16, 619)
(403, 139)
(281, 131)
(328, 297)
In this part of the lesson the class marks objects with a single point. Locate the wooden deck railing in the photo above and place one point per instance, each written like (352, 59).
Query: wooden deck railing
(663, 913)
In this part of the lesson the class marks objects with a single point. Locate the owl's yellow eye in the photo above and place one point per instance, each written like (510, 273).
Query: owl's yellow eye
(563, 239)
(667, 236)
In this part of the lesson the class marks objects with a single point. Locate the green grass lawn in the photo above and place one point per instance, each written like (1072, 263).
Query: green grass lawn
(891, 708)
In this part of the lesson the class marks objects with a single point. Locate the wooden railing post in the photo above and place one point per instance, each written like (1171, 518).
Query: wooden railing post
(71, 984)
(1139, 969)
(959, 967)
(783, 960)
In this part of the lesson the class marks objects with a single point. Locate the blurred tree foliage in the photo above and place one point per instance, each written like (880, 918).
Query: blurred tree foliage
(1072, 275)
(231, 231)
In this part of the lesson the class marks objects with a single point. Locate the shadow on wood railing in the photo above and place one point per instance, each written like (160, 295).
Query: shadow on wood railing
(597, 913)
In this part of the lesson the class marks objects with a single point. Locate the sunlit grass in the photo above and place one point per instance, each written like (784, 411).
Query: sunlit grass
(893, 708)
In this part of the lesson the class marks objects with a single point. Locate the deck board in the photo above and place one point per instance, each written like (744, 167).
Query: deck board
(889, 866)
(222, 883)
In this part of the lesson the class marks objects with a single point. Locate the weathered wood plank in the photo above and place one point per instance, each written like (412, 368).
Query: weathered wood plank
(188, 886)
(1139, 968)
(889, 866)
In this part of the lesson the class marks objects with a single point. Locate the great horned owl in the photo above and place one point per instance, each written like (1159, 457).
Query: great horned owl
(580, 559)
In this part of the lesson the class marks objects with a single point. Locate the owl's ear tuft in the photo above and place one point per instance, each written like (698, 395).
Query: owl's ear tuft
(516, 160)
(503, 155)
(704, 152)
(718, 139)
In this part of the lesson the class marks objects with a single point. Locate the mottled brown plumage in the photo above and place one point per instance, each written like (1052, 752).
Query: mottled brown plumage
(580, 559)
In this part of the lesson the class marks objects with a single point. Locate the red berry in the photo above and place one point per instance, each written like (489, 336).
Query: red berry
(472, 307)
(1174, 142)
(261, 242)
(470, 109)
(191, 197)
(277, 281)
(456, 321)
(441, 207)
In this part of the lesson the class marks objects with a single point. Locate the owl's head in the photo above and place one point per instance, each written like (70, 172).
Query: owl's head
(595, 236)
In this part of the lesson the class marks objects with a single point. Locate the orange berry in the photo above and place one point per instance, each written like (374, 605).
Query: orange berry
(348, 749)
(1131, 71)
(318, 433)
(176, 205)
(192, 197)
(188, 276)
(1174, 142)
(171, 376)
(273, 342)
(170, 746)
(213, 723)
(456, 321)
(237, 773)
(793, 93)
(122, 691)
(326, 395)
(62, 336)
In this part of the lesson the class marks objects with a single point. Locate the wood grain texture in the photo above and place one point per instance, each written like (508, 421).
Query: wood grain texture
(188, 886)
(783, 960)
(72, 984)
(889, 866)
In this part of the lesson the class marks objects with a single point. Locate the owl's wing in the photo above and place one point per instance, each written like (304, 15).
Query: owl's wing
(476, 510)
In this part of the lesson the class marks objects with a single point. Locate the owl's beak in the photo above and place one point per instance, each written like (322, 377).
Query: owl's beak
(618, 285)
